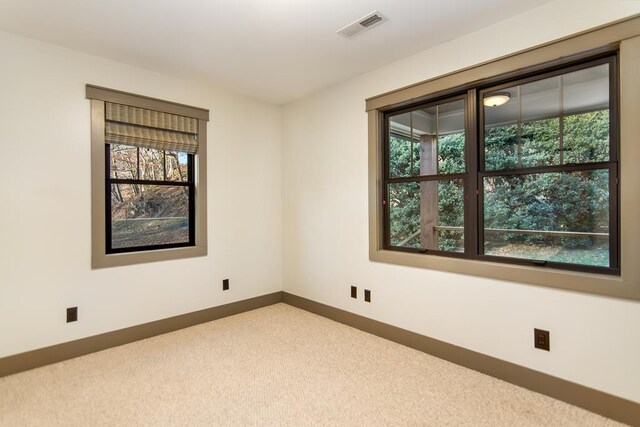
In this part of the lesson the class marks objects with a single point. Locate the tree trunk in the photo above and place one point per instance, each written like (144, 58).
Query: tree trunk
(117, 192)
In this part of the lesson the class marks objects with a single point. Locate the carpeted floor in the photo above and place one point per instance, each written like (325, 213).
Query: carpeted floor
(277, 365)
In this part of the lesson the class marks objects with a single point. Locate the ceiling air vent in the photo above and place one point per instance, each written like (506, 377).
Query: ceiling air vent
(365, 23)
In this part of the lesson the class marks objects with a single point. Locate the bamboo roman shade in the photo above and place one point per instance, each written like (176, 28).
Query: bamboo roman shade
(146, 128)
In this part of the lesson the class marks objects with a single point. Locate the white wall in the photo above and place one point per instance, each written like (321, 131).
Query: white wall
(595, 340)
(45, 213)
(45, 230)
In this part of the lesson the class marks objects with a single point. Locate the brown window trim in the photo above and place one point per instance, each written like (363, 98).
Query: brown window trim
(100, 258)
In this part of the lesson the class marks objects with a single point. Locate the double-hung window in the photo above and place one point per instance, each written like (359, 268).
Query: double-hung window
(148, 171)
(150, 180)
(426, 175)
(548, 169)
(529, 178)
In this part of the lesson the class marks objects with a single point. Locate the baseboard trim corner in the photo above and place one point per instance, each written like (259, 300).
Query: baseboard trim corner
(68, 350)
(602, 403)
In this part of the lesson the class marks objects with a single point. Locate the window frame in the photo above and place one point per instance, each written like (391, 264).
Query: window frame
(189, 184)
(101, 257)
(475, 167)
(622, 37)
(611, 165)
(464, 176)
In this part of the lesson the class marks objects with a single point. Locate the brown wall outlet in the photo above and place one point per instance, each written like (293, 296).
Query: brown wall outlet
(541, 339)
(72, 314)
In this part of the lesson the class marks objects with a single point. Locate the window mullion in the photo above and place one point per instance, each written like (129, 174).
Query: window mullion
(571, 167)
(471, 197)
(614, 215)
(445, 177)
(107, 194)
(561, 121)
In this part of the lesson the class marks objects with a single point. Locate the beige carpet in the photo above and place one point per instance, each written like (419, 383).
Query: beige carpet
(274, 366)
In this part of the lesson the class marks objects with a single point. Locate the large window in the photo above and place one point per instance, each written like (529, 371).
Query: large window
(149, 166)
(538, 183)
(530, 176)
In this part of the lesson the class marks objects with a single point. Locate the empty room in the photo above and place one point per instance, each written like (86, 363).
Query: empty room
(366, 212)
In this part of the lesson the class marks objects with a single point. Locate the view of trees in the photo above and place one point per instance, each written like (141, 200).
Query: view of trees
(560, 201)
(144, 214)
(404, 199)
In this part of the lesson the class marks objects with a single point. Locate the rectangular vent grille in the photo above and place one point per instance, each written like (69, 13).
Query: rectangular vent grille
(370, 21)
(363, 24)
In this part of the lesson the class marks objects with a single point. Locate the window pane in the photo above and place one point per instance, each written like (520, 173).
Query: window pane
(177, 166)
(586, 137)
(557, 120)
(151, 164)
(428, 215)
(403, 156)
(124, 161)
(540, 123)
(428, 141)
(562, 217)
(451, 153)
(586, 121)
(144, 215)
(540, 144)
(501, 147)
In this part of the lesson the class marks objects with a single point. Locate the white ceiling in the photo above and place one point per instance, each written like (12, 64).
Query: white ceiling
(274, 50)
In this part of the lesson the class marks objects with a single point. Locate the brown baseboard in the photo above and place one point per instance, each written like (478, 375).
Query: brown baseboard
(58, 353)
(605, 404)
(592, 400)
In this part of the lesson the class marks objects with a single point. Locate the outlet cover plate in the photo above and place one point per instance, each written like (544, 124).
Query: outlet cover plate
(541, 339)
(72, 314)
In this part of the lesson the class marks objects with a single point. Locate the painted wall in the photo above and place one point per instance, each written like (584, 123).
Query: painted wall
(45, 230)
(595, 340)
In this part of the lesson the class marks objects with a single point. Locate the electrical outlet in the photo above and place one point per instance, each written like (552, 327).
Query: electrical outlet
(225, 285)
(354, 292)
(367, 295)
(541, 339)
(72, 314)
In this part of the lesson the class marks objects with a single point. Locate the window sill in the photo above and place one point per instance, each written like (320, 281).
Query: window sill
(600, 284)
(130, 258)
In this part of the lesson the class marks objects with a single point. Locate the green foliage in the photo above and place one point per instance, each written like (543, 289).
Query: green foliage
(586, 137)
(577, 201)
(403, 153)
(501, 147)
(404, 198)
(451, 153)
(404, 212)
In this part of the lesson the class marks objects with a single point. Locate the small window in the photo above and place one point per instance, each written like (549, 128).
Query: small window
(150, 205)
(149, 202)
